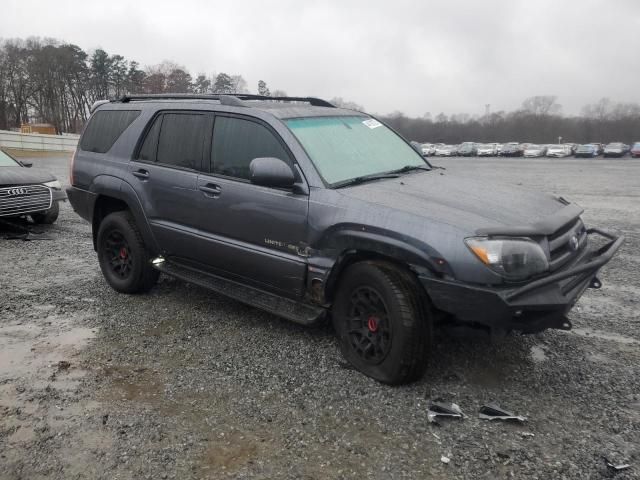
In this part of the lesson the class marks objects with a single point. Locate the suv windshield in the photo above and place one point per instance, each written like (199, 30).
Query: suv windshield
(6, 160)
(343, 148)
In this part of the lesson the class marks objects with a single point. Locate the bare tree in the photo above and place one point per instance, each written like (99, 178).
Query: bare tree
(340, 102)
(542, 105)
(263, 89)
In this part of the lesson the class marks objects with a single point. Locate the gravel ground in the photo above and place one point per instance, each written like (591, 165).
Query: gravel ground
(183, 383)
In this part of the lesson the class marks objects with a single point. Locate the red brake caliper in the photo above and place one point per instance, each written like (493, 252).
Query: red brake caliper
(123, 253)
(372, 324)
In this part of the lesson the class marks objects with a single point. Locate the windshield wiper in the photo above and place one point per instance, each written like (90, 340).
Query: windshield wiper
(409, 168)
(365, 178)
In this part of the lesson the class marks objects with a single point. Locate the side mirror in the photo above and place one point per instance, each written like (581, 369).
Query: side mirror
(27, 164)
(271, 172)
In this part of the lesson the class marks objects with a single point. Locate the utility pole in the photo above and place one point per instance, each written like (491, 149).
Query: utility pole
(487, 108)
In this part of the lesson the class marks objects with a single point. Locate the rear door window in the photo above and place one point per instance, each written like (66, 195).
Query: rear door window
(104, 128)
(237, 141)
(182, 140)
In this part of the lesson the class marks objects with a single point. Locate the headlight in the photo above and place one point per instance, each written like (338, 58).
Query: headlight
(54, 185)
(512, 258)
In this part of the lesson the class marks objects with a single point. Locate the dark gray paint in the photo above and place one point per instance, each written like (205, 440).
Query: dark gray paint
(283, 240)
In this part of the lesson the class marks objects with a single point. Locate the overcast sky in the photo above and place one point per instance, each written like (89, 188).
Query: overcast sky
(413, 56)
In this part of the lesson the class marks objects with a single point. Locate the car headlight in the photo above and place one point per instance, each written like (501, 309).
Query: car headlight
(512, 258)
(55, 185)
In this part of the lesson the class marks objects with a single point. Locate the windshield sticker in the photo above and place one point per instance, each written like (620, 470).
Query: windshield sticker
(372, 123)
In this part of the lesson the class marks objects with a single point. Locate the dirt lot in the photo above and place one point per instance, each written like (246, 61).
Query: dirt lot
(183, 383)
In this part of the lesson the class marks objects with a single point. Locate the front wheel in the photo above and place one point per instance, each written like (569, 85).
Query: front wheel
(383, 327)
(123, 256)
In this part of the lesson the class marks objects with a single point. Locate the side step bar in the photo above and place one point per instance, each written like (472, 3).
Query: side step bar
(298, 312)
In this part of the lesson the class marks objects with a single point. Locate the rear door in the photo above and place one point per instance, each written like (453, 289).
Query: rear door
(255, 233)
(164, 174)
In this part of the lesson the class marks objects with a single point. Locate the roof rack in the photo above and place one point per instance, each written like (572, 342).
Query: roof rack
(235, 99)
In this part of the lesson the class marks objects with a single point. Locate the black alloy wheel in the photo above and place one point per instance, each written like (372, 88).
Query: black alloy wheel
(124, 259)
(119, 254)
(369, 326)
(383, 321)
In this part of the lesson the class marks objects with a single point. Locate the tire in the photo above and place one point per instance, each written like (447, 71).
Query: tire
(382, 322)
(48, 216)
(124, 260)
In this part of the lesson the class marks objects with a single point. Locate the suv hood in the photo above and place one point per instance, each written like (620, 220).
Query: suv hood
(463, 203)
(23, 176)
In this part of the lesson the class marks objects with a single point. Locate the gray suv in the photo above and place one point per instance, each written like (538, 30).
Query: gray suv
(312, 212)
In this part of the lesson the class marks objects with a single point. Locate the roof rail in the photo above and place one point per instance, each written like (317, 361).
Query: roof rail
(227, 99)
(96, 104)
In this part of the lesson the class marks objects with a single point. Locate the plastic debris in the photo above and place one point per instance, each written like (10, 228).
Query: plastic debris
(493, 412)
(437, 410)
(617, 468)
(444, 459)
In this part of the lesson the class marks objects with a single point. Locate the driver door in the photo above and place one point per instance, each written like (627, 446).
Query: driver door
(251, 232)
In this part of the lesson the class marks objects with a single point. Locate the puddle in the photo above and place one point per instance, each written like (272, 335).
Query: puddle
(538, 354)
(602, 335)
(134, 384)
(27, 349)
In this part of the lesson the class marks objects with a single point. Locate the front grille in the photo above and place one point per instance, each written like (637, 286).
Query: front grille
(23, 199)
(566, 243)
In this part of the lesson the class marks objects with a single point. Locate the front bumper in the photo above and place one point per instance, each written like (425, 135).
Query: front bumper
(540, 304)
(58, 195)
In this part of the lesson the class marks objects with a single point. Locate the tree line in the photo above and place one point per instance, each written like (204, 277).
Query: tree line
(53, 82)
(48, 81)
(539, 120)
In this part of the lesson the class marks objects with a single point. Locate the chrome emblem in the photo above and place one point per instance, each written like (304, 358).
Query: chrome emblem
(574, 243)
(12, 192)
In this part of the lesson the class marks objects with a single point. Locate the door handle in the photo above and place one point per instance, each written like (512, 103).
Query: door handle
(143, 174)
(211, 190)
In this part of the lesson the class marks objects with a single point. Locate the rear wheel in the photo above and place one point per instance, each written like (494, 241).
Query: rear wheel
(47, 216)
(383, 327)
(123, 256)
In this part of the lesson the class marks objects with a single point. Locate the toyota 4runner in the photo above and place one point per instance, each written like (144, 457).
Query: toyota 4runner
(310, 212)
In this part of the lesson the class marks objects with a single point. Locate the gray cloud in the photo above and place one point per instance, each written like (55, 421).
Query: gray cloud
(412, 56)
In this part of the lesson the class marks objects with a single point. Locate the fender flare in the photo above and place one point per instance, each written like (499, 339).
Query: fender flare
(349, 244)
(114, 187)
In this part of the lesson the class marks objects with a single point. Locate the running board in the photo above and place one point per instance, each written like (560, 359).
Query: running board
(283, 307)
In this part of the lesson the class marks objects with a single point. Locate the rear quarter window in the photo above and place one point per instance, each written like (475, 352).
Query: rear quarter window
(104, 128)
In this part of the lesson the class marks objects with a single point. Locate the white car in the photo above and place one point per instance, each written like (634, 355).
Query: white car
(559, 151)
(445, 151)
(428, 149)
(487, 149)
(535, 151)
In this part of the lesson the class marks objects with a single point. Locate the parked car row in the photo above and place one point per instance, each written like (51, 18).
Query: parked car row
(529, 150)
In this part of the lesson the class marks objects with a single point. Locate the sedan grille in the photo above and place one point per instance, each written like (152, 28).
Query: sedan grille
(20, 200)
(566, 243)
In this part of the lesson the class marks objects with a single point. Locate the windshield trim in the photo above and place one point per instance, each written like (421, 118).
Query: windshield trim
(344, 183)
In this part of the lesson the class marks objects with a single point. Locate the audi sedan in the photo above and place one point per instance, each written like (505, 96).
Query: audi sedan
(25, 192)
